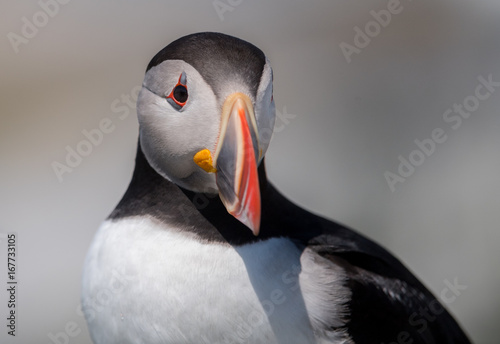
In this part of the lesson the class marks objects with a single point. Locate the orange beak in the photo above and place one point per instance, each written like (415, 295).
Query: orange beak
(236, 160)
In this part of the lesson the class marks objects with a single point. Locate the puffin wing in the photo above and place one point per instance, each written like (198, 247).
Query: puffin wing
(388, 304)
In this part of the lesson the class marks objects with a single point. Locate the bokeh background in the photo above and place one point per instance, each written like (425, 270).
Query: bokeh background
(346, 124)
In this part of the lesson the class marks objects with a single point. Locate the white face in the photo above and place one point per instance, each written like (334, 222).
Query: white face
(171, 133)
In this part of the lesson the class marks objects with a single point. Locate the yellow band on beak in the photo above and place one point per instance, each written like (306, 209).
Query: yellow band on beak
(204, 159)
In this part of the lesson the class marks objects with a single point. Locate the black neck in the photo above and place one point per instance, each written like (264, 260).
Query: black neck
(149, 194)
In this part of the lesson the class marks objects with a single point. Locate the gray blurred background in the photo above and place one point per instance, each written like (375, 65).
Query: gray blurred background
(346, 124)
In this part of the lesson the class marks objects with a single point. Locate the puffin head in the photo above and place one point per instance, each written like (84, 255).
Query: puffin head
(206, 115)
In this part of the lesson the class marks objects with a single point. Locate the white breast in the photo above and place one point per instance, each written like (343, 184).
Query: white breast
(144, 283)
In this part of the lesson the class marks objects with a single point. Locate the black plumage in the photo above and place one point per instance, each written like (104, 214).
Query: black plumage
(386, 297)
(211, 52)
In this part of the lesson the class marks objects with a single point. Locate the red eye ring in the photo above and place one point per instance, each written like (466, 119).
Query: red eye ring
(179, 91)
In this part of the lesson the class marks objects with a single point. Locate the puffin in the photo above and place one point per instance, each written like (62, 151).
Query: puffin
(202, 248)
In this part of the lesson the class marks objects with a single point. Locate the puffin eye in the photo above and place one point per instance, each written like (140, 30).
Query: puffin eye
(179, 94)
